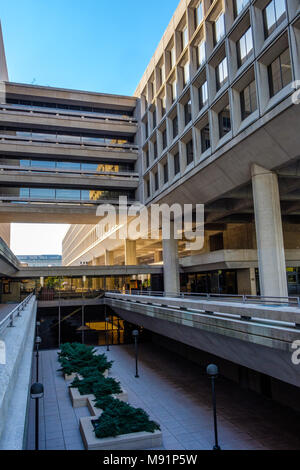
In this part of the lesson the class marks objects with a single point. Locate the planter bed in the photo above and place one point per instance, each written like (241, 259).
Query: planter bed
(134, 441)
(71, 377)
(79, 401)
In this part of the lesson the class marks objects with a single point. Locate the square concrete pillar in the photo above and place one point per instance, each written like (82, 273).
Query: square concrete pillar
(269, 234)
(171, 264)
(130, 253)
(109, 261)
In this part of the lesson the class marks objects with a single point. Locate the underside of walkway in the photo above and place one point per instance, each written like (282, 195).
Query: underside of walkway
(175, 393)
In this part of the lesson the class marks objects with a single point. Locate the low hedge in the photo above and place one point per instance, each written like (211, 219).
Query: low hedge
(96, 384)
(74, 357)
(121, 418)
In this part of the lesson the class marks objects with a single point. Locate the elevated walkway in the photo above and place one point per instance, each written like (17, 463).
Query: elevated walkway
(256, 335)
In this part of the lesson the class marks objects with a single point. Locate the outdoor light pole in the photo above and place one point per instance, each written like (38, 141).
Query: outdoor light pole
(38, 341)
(36, 392)
(135, 334)
(106, 333)
(213, 372)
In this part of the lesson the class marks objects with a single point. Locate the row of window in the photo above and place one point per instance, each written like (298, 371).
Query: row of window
(64, 194)
(64, 136)
(279, 75)
(63, 165)
(69, 107)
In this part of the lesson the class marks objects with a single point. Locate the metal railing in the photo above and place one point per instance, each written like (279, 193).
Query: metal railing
(8, 320)
(256, 299)
(57, 112)
(61, 171)
(7, 254)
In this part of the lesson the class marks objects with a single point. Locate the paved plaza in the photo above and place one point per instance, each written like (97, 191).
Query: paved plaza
(176, 393)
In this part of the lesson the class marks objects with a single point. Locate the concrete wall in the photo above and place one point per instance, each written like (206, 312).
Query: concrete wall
(15, 377)
(5, 233)
(247, 378)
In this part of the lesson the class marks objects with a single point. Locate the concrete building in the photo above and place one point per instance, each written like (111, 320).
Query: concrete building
(40, 260)
(218, 126)
(213, 121)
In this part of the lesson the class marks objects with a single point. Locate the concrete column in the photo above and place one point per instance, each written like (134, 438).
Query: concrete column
(246, 281)
(269, 234)
(171, 264)
(109, 261)
(130, 253)
(42, 281)
(109, 258)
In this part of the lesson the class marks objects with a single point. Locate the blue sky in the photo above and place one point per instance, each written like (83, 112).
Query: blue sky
(92, 45)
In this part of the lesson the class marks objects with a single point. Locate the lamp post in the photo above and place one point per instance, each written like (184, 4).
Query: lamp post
(213, 372)
(106, 333)
(37, 392)
(135, 334)
(38, 341)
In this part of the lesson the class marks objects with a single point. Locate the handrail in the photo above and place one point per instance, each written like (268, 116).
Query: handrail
(33, 169)
(7, 254)
(68, 113)
(81, 142)
(8, 321)
(78, 202)
(263, 300)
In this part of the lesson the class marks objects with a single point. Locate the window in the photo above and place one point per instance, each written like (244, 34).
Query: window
(205, 139)
(147, 159)
(186, 73)
(203, 95)
(164, 139)
(280, 73)
(148, 188)
(162, 74)
(221, 73)
(176, 164)
(248, 100)
(155, 150)
(166, 173)
(154, 118)
(239, 5)
(224, 121)
(174, 90)
(184, 37)
(198, 14)
(163, 105)
(274, 14)
(201, 55)
(175, 126)
(189, 152)
(146, 130)
(244, 47)
(219, 29)
(156, 185)
(172, 57)
(187, 112)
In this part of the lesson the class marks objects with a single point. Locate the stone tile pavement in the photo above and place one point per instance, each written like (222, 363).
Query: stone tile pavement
(176, 393)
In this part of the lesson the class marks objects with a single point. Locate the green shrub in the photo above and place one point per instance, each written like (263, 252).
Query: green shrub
(75, 357)
(121, 418)
(97, 385)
